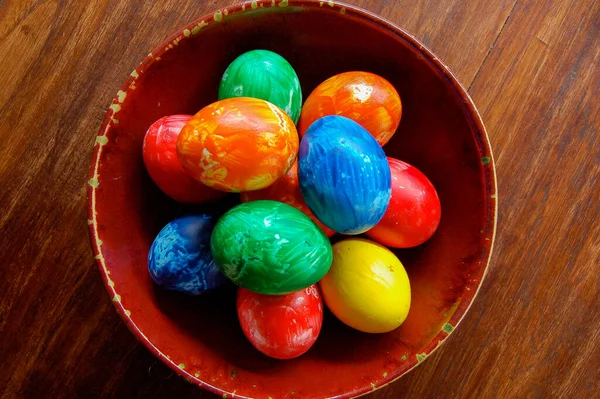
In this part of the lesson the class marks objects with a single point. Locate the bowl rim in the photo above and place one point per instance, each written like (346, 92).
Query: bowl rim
(194, 28)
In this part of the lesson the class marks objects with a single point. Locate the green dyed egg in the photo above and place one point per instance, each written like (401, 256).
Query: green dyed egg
(270, 247)
(266, 75)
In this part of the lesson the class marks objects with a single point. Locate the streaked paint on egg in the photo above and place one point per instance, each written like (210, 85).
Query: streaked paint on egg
(270, 247)
(364, 97)
(281, 326)
(180, 257)
(367, 287)
(266, 75)
(344, 175)
(286, 190)
(238, 144)
(160, 158)
(414, 212)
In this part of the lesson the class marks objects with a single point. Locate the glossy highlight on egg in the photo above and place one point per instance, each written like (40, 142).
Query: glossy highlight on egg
(367, 98)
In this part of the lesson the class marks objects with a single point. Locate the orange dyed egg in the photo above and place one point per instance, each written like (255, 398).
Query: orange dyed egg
(286, 190)
(238, 144)
(363, 97)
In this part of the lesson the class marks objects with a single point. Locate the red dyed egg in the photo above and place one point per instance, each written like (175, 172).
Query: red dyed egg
(160, 157)
(281, 326)
(364, 97)
(287, 190)
(414, 212)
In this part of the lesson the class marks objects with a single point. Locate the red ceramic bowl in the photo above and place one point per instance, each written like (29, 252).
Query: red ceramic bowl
(441, 133)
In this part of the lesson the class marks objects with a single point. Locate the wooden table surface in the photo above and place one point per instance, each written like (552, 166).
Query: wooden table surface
(531, 66)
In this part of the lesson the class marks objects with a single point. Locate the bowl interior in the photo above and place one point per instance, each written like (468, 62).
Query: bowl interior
(440, 133)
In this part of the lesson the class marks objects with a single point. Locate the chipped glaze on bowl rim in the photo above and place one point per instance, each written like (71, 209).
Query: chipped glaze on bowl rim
(481, 137)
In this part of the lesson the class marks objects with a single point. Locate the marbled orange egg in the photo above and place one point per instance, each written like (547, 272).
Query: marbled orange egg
(364, 97)
(238, 144)
(286, 190)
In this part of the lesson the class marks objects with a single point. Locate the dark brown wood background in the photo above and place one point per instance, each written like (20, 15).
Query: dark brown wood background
(531, 66)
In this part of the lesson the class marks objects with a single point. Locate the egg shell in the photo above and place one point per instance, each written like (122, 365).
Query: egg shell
(281, 326)
(270, 247)
(160, 157)
(367, 287)
(238, 144)
(266, 75)
(286, 190)
(180, 257)
(414, 212)
(364, 97)
(344, 175)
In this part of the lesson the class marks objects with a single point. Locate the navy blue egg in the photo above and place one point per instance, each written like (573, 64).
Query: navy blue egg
(180, 257)
(344, 175)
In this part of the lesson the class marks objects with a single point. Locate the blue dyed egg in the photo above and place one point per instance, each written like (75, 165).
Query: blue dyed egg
(180, 257)
(344, 175)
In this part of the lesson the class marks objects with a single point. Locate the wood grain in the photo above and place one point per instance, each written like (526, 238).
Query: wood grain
(532, 68)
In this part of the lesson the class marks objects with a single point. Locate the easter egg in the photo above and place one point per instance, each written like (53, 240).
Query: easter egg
(270, 247)
(180, 257)
(281, 326)
(363, 97)
(286, 190)
(414, 212)
(238, 144)
(160, 158)
(367, 287)
(266, 75)
(344, 175)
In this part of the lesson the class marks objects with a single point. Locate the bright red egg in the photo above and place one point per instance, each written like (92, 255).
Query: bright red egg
(287, 190)
(281, 326)
(160, 158)
(414, 212)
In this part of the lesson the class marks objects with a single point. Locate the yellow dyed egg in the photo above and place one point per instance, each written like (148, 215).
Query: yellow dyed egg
(366, 287)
